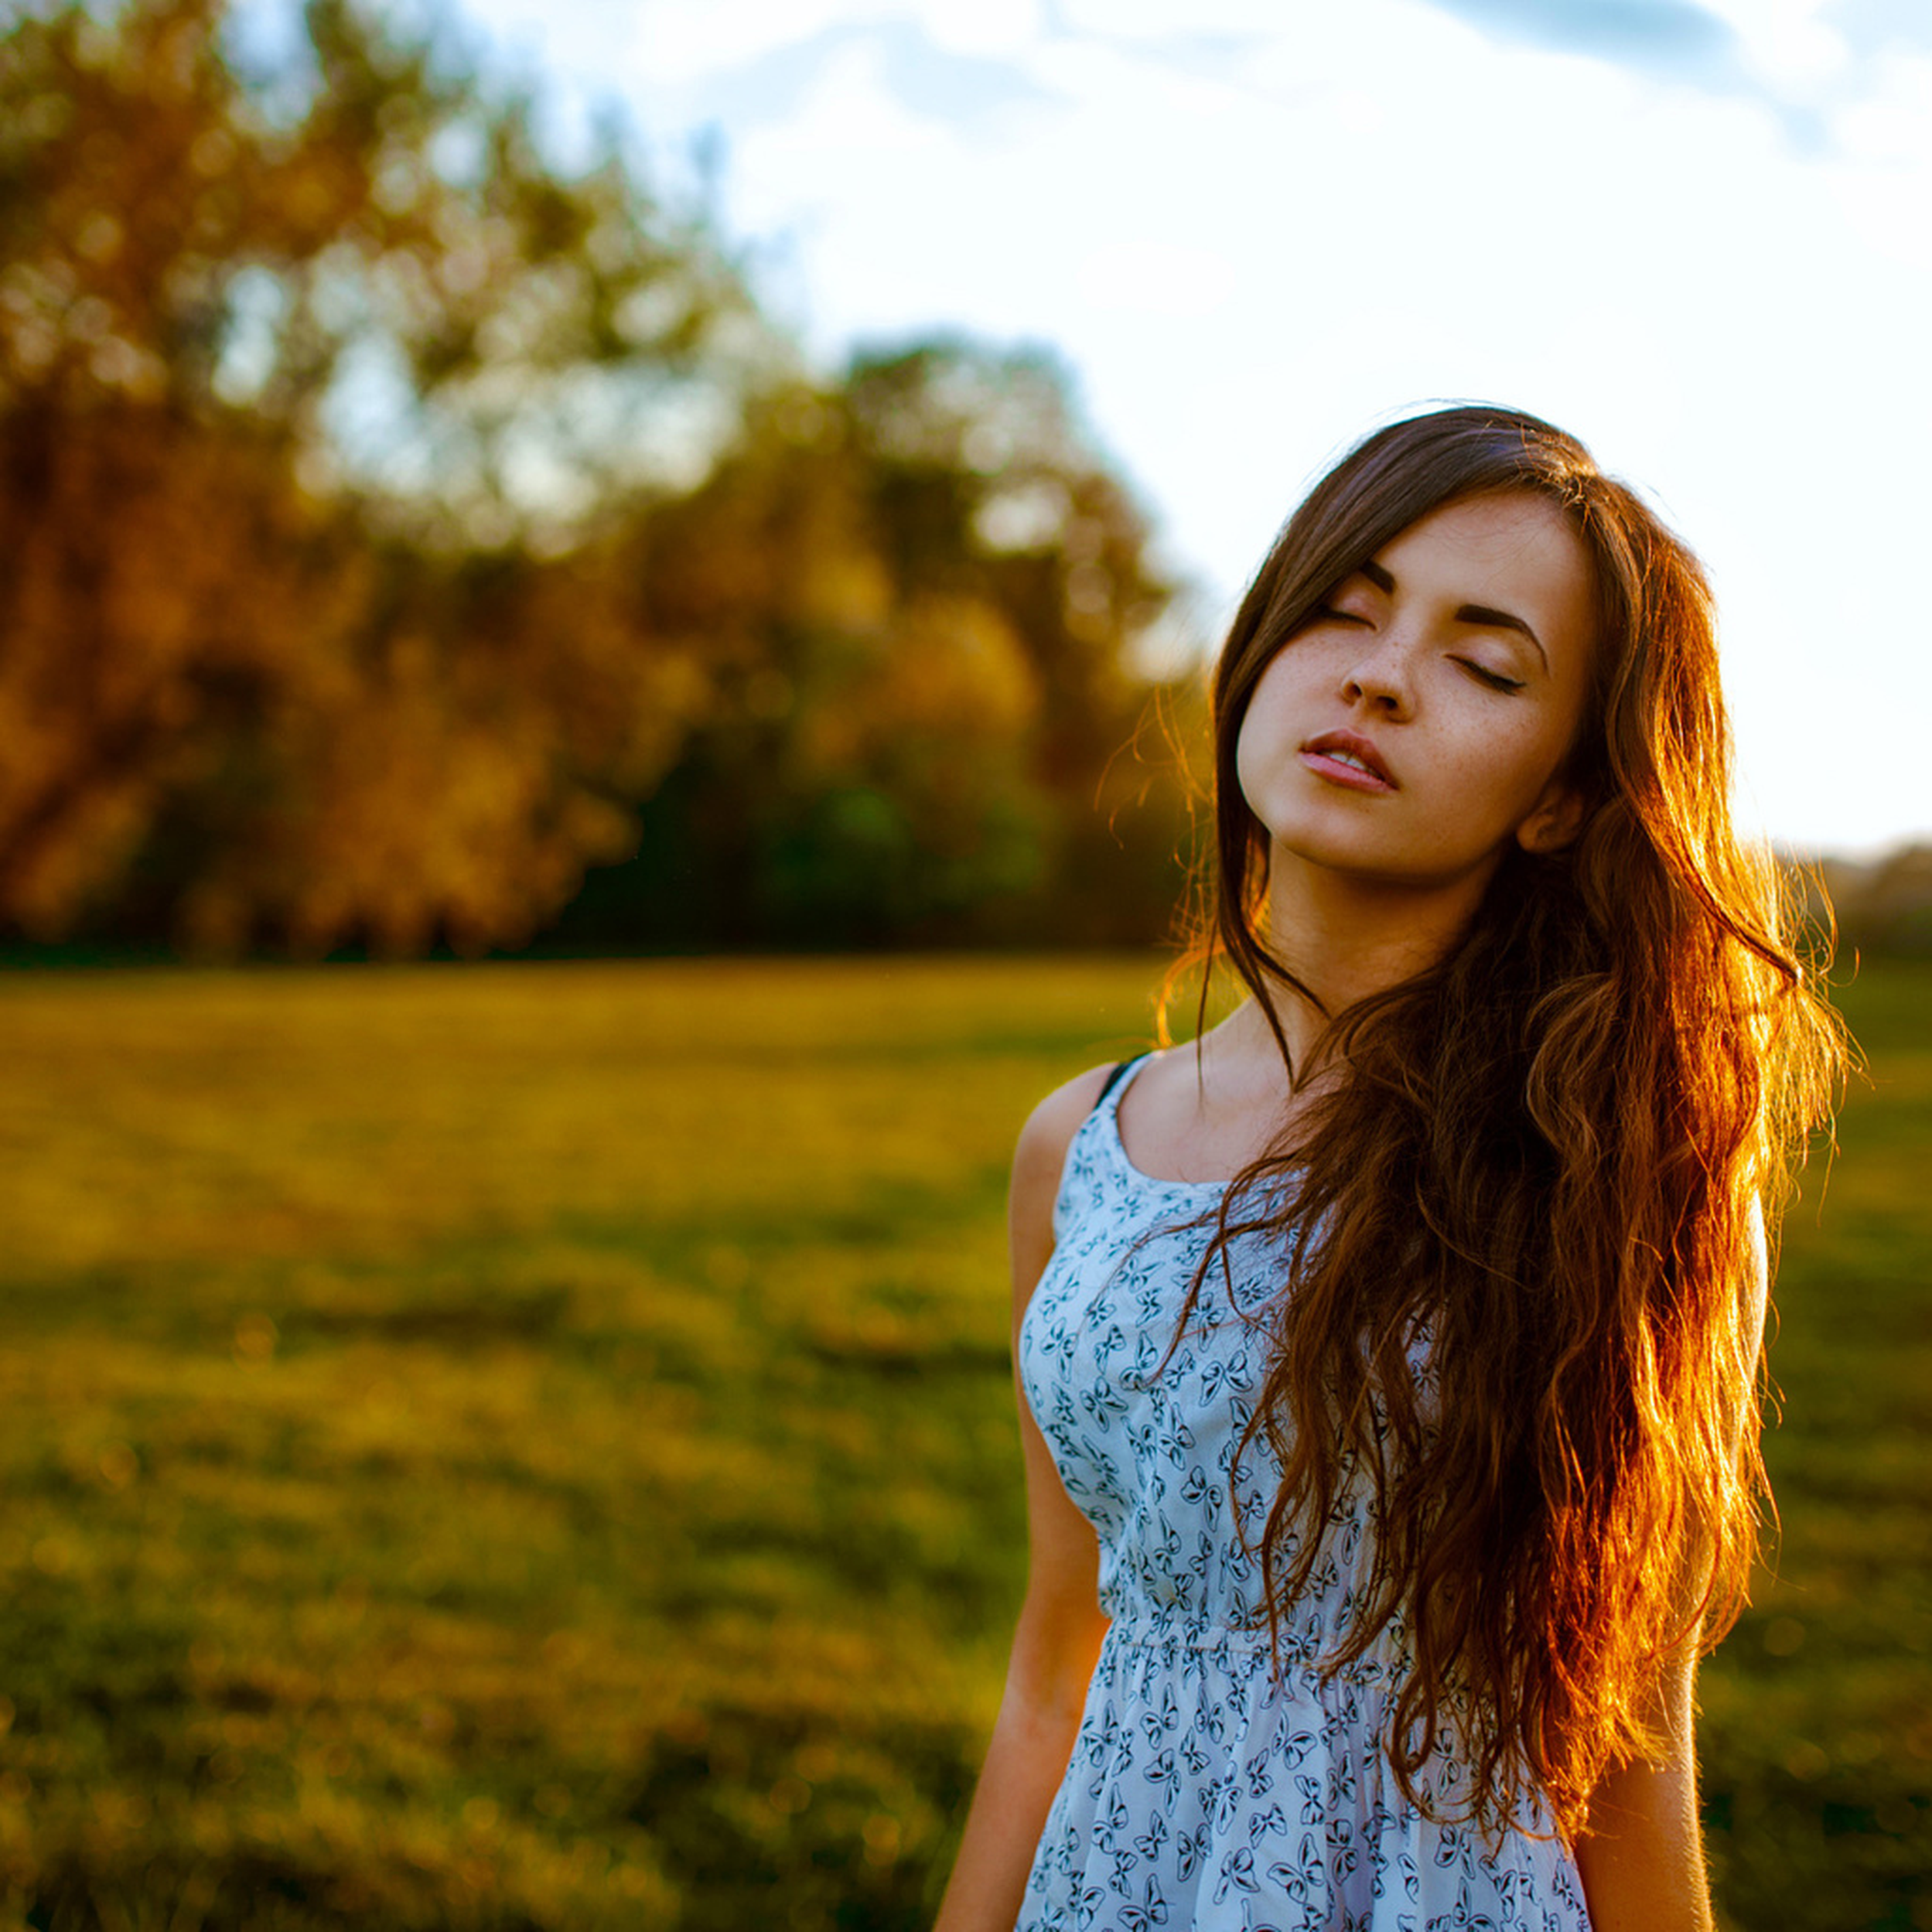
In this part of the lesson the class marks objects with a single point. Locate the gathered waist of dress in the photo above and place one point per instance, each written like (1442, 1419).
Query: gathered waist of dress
(1173, 1631)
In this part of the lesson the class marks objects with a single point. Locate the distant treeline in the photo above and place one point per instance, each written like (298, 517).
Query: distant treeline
(1882, 905)
(412, 540)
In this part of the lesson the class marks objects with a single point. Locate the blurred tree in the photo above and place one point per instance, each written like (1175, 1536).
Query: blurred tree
(317, 385)
(388, 513)
(983, 481)
(916, 589)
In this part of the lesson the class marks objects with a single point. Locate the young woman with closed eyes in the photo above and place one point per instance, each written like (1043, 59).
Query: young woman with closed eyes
(1389, 1359)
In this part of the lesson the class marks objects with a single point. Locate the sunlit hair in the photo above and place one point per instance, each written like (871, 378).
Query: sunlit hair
(1552, 1156)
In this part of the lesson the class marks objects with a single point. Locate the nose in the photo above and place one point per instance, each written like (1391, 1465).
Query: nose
(1378, 678)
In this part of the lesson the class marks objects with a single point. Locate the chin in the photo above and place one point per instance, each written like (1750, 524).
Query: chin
(1376, 869)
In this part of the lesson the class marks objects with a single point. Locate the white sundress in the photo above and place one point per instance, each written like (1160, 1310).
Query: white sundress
(1203, 1792)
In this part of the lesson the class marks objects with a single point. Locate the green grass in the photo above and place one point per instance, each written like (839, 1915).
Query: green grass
(522, 1446)
(1817, 1731)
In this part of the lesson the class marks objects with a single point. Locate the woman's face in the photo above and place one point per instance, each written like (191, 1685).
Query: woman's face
(1414, 728)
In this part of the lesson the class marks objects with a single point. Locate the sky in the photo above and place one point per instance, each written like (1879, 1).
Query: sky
(1698, 233)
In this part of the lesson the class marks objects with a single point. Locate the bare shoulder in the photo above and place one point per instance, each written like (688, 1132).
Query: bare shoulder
(1038, 1162)
(1050, 1128)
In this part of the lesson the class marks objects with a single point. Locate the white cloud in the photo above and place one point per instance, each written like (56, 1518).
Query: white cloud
(1156, 277)
(1883, 178)
(1789, 42)
(980, 27)
(1161, 19)
(676, 42)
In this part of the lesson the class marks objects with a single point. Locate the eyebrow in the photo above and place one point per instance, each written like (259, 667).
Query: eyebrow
(1385, 582)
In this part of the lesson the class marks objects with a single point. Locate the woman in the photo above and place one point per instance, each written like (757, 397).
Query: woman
(1389, 1359)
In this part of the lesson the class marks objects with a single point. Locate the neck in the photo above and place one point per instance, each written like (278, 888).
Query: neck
(1347, 938)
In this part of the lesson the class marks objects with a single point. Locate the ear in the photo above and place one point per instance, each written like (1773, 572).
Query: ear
(1555, 820)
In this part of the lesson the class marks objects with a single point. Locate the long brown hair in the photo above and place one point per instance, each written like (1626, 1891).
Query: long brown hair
(1552, 1155)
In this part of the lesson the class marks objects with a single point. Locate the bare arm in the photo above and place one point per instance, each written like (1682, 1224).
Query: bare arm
(1642, 1856)
(1060, 1622)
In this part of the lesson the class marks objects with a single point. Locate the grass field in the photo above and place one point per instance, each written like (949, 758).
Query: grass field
(530, 1446)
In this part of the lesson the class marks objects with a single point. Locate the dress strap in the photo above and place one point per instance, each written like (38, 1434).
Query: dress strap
(1114, 1078)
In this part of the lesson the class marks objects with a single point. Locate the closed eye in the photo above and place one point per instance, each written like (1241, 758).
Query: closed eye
(1494, 679)
(1332, 616)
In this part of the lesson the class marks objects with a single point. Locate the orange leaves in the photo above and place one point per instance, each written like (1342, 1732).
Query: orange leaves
(277, 363)
(388, 513)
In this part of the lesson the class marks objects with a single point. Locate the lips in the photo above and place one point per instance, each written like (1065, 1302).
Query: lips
(1348, 759)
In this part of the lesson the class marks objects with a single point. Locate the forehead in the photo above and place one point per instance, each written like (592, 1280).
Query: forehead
(1512, 533)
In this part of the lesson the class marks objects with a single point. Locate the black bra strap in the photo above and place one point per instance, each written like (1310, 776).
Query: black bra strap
(1114, 1078)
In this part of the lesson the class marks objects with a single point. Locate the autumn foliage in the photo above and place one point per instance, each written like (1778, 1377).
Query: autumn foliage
(399, 522)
